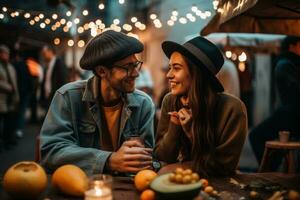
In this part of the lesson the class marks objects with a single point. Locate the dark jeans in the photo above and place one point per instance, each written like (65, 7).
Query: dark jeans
(7, 132)
(24, 102)
(284, 118)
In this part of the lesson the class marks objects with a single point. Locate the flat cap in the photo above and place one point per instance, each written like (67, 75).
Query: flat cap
(109, 47)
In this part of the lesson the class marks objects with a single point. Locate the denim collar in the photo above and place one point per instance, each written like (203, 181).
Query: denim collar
(92, 91)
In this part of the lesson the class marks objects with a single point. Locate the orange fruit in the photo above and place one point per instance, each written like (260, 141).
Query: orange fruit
(204, 182)
(143, 178)
(70, 180)
(147, 195)
(25, 180)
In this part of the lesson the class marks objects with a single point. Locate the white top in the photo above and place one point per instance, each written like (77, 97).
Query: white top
(48, 77)
(228, 76)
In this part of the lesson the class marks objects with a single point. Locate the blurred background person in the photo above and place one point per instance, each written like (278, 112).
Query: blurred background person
(55, 75)
(286, 117)
(228, 76)
(9, 98)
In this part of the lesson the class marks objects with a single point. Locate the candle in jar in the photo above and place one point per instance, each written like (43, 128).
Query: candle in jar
(98, 193)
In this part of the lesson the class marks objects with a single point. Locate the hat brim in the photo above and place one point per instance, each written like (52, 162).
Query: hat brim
(169, 47)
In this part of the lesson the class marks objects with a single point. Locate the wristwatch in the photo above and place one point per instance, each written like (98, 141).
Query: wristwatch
(156, 165)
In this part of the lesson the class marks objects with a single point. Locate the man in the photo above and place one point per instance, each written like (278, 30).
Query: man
(9, 98)
(89, 122)
(55, 75)
(286, 116)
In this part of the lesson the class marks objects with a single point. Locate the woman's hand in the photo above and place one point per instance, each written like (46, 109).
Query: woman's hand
(185, 118)
(174, 118)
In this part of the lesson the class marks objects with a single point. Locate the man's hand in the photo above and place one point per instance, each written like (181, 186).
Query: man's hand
(131, 157)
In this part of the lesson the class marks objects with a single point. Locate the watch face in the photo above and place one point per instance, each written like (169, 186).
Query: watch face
(156, 165)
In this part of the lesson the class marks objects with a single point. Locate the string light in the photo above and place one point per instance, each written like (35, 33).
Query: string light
(101, 6)
(56, 41)
(54, 16)
(215, 4)
(153, 16)
(81, 43)
(36, 18)
(76, 20)
(170, 22)
(194, 8)
(70, 43)
(242, 66)
(183, 18)
(98, 22)
(66, 29)
(133, 19)
(80, 29)
(174, 13)
(116, 21)
(68, 13)
(243, 57)
(228, 54)
(85, 12)
(63, 21)
(47, 21)
(69, 24)
(27, 15)
(127, 27)
(42, 25)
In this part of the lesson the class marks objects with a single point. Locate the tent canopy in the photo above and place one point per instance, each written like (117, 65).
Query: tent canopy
(256, 16)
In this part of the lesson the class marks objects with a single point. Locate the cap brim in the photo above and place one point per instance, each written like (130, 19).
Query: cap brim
(169, 47)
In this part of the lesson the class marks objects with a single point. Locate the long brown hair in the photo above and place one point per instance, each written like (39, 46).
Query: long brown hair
(202, 100)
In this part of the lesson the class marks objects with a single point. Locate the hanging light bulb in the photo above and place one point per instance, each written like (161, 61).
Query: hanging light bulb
(70, 43)
(133, 19)
(68, 13)
(81, 43)
(56, 41)
(153, 16)
(101, 6)
(27, 15)
(116, 21)
(85, 12)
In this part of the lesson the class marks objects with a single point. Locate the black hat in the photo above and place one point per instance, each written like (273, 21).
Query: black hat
(109, 47)
(202, 53)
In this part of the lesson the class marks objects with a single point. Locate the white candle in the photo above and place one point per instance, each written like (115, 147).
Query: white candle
(98, 193)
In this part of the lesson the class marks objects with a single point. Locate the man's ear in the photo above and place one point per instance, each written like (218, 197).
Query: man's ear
(101, 71)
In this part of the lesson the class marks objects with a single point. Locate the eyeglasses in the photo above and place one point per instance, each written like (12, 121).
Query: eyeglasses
(131, 66)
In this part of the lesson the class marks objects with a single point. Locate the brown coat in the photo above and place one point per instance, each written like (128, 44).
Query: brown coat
(231, 131)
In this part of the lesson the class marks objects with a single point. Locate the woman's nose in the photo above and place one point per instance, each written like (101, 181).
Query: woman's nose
(169, 74)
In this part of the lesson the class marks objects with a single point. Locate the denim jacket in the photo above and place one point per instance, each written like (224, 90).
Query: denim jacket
(72, 128)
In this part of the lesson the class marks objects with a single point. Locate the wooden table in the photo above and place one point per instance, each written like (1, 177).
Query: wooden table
(123, 188)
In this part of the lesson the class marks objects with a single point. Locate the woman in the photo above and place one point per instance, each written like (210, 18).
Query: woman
(200, 127)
